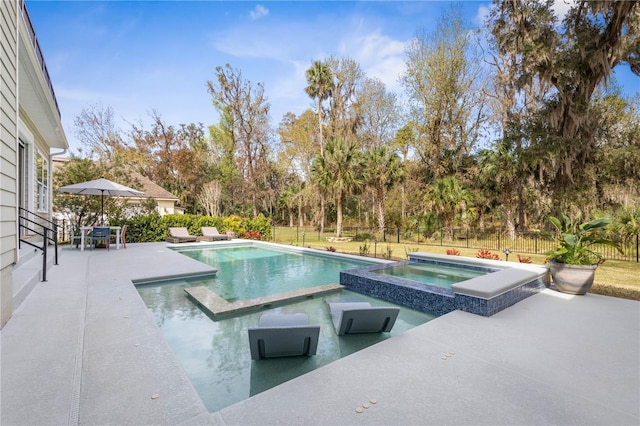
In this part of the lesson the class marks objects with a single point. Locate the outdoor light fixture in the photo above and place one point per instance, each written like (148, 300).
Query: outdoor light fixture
(507, 252)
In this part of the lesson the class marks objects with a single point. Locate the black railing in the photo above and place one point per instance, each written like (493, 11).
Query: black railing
(531, 242)
(39, 55)
(48, 235)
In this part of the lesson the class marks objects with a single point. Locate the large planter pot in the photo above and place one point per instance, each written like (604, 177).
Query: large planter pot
(572, 279)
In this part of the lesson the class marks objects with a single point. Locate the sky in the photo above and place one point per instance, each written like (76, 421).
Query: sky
(139, 56)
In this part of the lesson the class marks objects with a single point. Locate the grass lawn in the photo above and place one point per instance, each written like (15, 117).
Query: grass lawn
(613, 278)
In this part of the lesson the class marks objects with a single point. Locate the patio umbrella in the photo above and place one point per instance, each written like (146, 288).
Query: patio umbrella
(101, 187)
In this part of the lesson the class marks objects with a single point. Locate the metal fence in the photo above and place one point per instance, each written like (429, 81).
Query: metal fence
(533, 242)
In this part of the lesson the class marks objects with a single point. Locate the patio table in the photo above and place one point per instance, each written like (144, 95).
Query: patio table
(84, 229)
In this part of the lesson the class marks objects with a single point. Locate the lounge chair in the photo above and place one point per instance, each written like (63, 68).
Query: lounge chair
(361, 317)
(210, 233)
(283, 334)
(180, 235)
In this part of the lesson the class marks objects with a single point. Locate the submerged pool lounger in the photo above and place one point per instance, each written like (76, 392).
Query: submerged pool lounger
(283, 334)
(361, 317)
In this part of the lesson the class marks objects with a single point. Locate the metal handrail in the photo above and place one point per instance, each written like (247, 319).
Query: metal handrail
(47, 234)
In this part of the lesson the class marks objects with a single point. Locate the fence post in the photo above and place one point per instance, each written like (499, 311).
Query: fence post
(637, 240)
(297, 229)
(467, 237)
(498, 232)
(384, 234)
(398, 235)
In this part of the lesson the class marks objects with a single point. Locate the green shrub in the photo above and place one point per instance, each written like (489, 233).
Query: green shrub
(181, 221)
(387, 252)
(363, 236)
(201, 221)
(364, 248)
(153, 227)
(144, 228)
(260, 224)
(233, 223)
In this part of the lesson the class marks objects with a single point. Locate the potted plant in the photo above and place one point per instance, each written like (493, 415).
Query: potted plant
(573, 263)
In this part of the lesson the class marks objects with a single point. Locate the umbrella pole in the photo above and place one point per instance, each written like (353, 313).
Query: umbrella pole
(102, 207)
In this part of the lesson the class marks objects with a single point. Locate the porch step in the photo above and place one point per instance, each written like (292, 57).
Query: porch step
(28, 272)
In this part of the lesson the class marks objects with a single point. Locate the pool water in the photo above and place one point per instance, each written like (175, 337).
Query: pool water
(215, 353)
(433, 274)
(249, 272)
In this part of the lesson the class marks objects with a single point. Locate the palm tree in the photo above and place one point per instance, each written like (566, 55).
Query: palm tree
(500, 166)
(339, 172)
(446, 196)
(383, 170)
(320, 80)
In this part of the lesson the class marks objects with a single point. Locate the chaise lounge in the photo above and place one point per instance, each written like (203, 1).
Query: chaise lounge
(180, 235)
(210, 233)
(283, 334)
(361, 317)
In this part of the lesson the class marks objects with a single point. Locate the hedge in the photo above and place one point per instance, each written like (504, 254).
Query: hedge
(153, 227)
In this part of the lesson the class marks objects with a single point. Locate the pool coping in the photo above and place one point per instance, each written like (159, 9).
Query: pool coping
(216, 306)
(279, 247)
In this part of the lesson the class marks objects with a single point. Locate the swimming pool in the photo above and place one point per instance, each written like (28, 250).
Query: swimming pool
(215, 352)
(432, 274)
(251, 271)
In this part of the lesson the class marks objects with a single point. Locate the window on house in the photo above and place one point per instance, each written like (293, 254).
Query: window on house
(42, 179)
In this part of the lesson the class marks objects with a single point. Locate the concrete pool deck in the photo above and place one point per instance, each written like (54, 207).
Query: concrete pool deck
(82, 349)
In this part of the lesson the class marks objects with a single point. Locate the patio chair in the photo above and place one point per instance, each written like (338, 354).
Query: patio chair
(100, 233)
(361, 317)
(180, 235)
(77, 237)
(210, 233)
(282, 334)
(123, 236)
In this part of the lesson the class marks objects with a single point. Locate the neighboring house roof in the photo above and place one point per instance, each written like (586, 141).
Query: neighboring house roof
(152, 189)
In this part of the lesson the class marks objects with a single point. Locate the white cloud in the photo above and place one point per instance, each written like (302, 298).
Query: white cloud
(259, 12)
(379, 55)
(482, 15)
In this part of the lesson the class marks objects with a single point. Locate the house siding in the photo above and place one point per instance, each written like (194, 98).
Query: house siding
(8, 150)
(29, 116)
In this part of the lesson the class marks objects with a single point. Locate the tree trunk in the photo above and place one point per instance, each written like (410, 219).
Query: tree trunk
(300, 216)
(380, 209)
(322, 206)
(508, 223)
(403, 204)
(339, 216)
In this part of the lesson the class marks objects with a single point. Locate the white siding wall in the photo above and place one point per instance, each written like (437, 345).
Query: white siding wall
(8, 152)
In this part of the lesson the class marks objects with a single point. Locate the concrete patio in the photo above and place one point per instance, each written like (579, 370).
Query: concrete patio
(82, 349)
